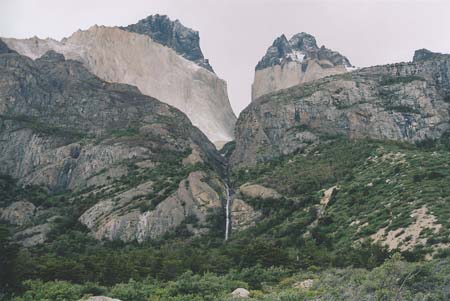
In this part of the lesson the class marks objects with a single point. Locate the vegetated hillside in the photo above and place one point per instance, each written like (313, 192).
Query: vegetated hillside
(344, 192)
(296, 239)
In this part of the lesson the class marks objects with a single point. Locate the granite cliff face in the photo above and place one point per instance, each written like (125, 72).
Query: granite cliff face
(162, 58)
(130, 161)
(290, 62)
(405, 101)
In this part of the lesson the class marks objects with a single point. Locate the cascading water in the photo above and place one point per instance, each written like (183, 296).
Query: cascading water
(227, 212)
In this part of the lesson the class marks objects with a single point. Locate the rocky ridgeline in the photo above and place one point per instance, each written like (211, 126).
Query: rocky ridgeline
(159, 56)
(291, 62)
(134, 159)
(404, 101)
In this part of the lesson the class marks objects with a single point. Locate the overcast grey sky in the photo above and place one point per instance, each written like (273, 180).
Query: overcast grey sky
(235, 34)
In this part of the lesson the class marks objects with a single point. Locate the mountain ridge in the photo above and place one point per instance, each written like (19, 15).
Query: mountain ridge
(157, 70)
(370, 102)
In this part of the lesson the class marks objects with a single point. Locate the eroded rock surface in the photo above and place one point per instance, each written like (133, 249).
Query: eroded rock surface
(117, 219)
(258, 191)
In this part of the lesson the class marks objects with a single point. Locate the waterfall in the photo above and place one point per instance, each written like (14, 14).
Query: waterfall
(227, 211)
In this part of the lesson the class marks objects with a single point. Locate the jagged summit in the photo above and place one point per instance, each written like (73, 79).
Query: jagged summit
(300, 47)
(304, 41)
(173, 34)
(291, 62)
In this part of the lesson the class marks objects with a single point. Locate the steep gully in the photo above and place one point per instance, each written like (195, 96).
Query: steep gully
(229, 193)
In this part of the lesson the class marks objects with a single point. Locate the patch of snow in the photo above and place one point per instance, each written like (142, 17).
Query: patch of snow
(297, 56)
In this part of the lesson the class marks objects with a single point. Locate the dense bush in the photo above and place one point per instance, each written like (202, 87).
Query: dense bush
(393, 280)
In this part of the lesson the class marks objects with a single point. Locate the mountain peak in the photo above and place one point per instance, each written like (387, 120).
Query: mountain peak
(185, 41)
(304, 41)
(301, 46)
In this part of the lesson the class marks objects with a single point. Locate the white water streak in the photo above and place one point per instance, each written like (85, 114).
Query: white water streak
(227, 212)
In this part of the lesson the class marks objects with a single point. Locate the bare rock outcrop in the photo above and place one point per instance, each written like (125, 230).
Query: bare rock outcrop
(243, 215)
(18, 213)
(291, 62)
(240, 293)
(258, 191)
(117, 219)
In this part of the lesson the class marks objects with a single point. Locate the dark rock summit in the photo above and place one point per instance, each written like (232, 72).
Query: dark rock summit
(279, 49)
(300, 47)
(173, 34)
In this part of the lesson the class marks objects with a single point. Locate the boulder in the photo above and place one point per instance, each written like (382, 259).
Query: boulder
(240, 293)
(305, 284)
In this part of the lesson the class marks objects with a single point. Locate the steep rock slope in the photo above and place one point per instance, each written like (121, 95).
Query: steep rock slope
(121, 159)
(162, 58)
(405, 101)
(291, 62)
